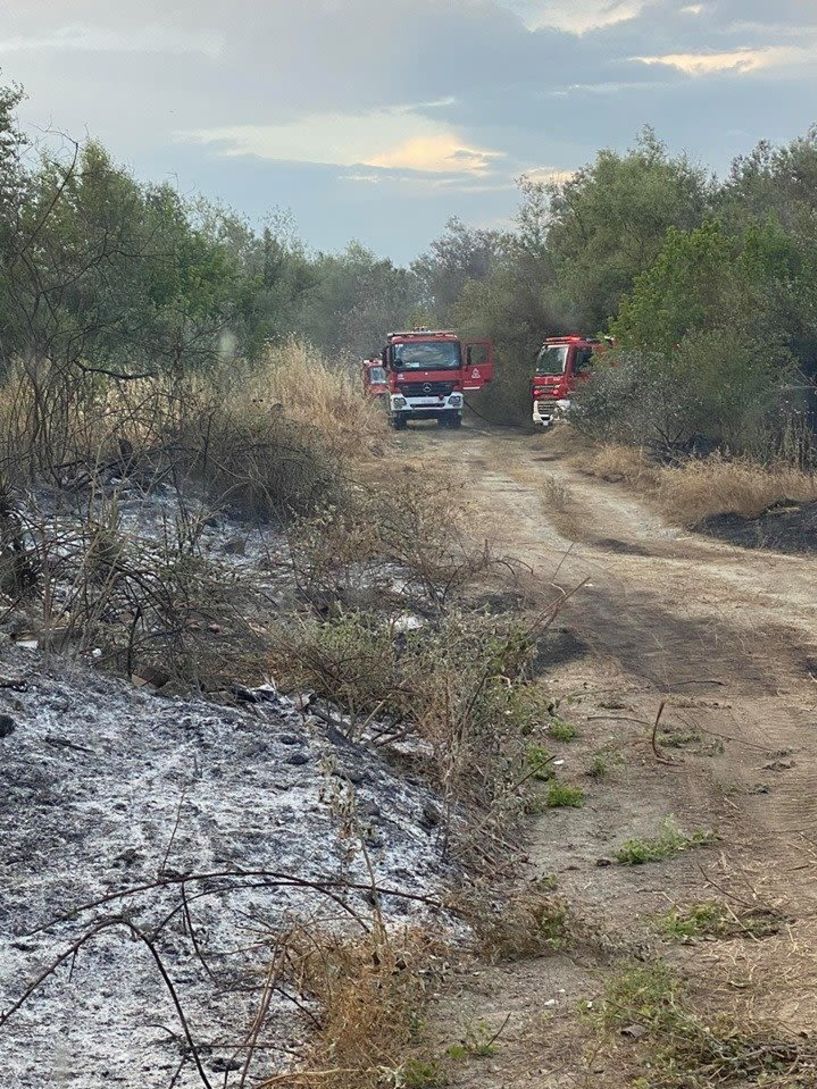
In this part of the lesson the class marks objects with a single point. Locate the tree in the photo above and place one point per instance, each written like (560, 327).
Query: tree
(459, 257)
(608, 222)
(356, 299)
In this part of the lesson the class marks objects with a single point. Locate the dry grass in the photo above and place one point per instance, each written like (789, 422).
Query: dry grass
(370, 996)
(700, 489)
(269, 439)
(616, 463)
(530, 923)
(298, 380)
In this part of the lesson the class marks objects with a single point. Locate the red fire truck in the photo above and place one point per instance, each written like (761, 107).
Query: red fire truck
(429, 373)
(562, 365)
(375, 382)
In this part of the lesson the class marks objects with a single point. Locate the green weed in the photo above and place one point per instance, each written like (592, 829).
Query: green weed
(669, 841)
(560, 730)
(715, 920)
(420, 1074)
(678, 1047)
(540, 763)
(563, 796)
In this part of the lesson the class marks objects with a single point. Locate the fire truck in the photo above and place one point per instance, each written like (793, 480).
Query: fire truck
(429, 372)
(562, 365)
(375, 382)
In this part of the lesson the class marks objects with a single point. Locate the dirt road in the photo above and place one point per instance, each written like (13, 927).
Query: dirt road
(728, 638)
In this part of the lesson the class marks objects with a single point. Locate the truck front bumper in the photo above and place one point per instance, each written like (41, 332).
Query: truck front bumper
(546, 413)
(426, 408)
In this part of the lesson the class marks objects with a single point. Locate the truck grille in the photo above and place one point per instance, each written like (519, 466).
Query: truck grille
(426, 389)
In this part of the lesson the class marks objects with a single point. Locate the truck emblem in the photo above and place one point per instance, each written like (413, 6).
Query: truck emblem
(427, 387)
(475, 372)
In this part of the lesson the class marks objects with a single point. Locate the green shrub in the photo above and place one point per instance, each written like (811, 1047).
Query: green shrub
(562, 796)
(560, 730)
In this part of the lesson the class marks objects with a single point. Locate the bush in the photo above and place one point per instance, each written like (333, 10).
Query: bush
(459, 685)
(401, 540)
(369, 996)
(269, 440)
(716, 389)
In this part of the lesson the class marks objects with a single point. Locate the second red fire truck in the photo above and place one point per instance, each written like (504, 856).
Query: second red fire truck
(562, 365)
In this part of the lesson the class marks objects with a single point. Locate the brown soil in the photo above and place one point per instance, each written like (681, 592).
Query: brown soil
(728, 639)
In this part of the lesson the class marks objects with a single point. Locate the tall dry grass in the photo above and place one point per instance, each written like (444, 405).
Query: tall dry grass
(701, 488)
(697, 490)
(370, 996)
(271, 437)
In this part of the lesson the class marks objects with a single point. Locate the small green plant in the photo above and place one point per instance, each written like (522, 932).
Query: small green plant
(540, 763)
(643, 994)
(419, 1074)
(479, 1042)
(669, 841)
(712, 919)
(603, 762)
(457, 1052)
(680, 1046)
(599, 767)
(560, 730)
(563, 796)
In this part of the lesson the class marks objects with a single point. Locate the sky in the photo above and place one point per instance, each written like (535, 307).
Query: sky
(376, 120)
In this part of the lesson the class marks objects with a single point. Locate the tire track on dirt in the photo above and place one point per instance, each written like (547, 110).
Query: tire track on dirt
(729, 638)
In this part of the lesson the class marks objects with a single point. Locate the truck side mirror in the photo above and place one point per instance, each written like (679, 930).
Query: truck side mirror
(385, 357)
(469, 355)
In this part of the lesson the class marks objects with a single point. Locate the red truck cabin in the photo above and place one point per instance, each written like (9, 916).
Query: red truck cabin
(430, 371)
(562, 364)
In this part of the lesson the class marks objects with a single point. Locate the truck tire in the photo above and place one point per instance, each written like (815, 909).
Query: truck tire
(454, 420)
(399, 423)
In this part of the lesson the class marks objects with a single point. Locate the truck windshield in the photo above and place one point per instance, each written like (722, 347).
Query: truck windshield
(427, 355)
(552, 360)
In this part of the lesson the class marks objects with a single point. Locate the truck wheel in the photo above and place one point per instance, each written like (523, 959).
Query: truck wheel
(399, 423)
(455, 420)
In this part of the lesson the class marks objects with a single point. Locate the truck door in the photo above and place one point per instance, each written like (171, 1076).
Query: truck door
(582, 365)
(478, 368)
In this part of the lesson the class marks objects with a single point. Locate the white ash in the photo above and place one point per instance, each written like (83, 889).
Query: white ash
(93, 780)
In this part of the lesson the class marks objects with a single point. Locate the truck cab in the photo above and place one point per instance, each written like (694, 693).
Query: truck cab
(429, 373)
(562, 365)
(375, 380)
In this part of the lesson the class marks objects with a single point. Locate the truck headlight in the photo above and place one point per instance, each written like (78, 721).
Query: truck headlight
(455, 400)
(398, 402)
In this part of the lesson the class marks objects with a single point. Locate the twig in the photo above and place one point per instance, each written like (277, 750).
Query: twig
(175, 830)
(654, 739)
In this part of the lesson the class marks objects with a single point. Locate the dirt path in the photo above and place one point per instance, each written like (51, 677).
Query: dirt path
(728, 638)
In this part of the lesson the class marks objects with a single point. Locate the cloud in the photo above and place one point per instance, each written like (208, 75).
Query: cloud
(440, 154)
(576, 16)
(547, 175)
(693, 9)
(736, 61)
(393, 139)
(90, 39)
